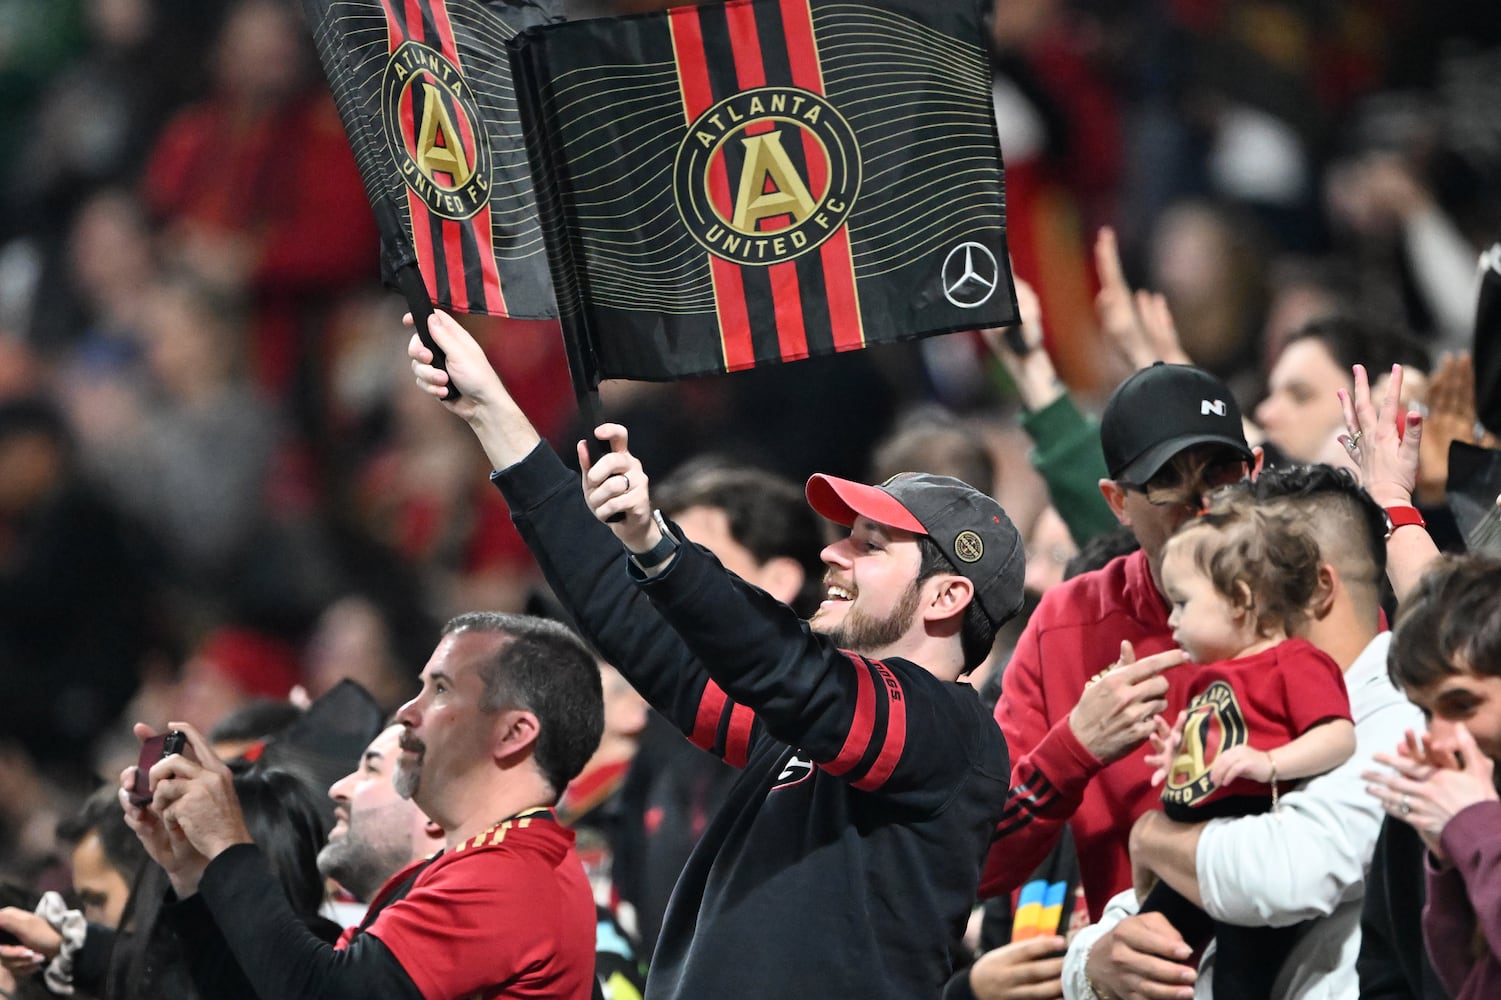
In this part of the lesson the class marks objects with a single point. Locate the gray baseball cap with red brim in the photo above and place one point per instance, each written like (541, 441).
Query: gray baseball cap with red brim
(971, 529)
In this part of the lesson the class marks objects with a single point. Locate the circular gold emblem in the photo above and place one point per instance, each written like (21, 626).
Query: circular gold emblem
(435, 131)
(766, 175)
(968, 547)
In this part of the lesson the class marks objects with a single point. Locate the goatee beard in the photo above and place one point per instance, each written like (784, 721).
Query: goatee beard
(866, 634)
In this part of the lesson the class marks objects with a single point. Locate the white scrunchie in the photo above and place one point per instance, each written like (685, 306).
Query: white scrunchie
(73, 928)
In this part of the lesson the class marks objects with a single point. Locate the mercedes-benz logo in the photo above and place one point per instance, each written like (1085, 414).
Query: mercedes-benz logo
(970, 278)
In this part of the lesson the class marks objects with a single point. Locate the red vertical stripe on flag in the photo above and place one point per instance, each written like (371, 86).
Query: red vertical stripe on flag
(749, 70)
(394, 35)
(416, 26)
(417, 210)
(698, 96)
(844, 297)
(786, 297)
(443, 28)
(838, 264)
(479, 223)
(787, 300)
(422, 243)
(453, 259)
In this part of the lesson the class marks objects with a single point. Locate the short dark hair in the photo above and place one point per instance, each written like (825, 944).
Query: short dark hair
(766, 513)
(102, 816)
(1329, 488)
(976, 633)
(1100, 550)
(937, 441)
(1449, 623)
(1354, 341)
(543, 667)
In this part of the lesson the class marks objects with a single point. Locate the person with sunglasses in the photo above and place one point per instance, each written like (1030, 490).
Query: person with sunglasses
(1091, 670)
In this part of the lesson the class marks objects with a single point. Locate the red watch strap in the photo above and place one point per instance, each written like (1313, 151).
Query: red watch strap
(1400, 517)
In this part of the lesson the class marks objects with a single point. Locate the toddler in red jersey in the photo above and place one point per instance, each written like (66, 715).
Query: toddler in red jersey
(1263, 707)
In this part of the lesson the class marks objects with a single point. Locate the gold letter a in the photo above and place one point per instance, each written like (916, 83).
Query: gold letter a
(788, 195)
(447, 158)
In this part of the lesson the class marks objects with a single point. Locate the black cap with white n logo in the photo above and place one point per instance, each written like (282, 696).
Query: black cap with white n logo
(1160, 411)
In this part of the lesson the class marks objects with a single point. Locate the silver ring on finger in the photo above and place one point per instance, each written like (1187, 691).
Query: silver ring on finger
(627, 482)
(1404, 805)
(1355, 439)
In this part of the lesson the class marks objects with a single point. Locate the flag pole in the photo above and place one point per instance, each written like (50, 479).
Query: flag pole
(403, 264)
(396, 248)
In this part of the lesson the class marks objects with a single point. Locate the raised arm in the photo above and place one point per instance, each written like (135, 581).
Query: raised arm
(1388, 463)
(504, 431)
(1067, 452)
(878, 725)
(583, 563)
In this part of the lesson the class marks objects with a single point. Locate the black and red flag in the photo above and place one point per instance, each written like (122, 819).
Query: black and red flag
(424, 90)
(763, 180)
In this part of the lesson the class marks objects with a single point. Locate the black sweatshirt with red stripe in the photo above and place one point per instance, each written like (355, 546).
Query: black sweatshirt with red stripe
(847, 856)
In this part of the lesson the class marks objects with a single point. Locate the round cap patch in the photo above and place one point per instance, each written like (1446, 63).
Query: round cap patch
(968, 547)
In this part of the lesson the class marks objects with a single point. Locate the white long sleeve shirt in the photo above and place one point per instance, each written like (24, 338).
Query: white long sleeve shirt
(1307, 860)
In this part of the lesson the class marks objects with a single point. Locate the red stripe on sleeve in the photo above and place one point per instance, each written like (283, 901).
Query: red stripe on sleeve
(706, 724)
(737, 742)
(858, 738)
(896, 733)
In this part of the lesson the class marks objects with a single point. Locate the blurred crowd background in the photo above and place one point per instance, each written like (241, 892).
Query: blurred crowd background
(217, 483)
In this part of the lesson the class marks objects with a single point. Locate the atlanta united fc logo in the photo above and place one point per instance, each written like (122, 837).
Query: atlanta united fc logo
(435, 131)
(1215, 723)
(766, 175)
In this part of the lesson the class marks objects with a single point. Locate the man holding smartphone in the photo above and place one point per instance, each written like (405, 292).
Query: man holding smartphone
(510, 709)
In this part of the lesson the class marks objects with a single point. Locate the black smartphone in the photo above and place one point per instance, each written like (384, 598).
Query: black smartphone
(152, 750)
